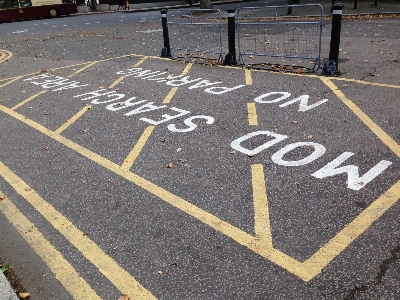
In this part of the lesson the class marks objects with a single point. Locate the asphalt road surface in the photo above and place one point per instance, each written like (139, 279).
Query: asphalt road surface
(125, 173)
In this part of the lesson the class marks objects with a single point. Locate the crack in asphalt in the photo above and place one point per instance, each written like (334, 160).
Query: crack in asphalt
(383, 267)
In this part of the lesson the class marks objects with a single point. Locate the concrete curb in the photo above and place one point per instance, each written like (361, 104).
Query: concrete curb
(6, 291)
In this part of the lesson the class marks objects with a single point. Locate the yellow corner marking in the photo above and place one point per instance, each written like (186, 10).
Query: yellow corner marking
(11, 81)
(5, 55)
(366, 82)
(128, 162)
(141, 61)
(382, 135)
(107, 266)
(252, 114)
(353, 230)
(306, 270)
(170, 95)
(73, 119)
(249, 80)
(261, 213)
(29, 99)
(83, 69)
(62, 269)
(187, 68)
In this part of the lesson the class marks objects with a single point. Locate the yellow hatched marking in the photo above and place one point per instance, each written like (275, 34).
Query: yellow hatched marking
(170, 95)
(116, 82)
(262, 226)
(252, 114)
(29, 99)
(11, 81)
(62, 269)
(83, 69)
(249, 80)
(128, 162)
(73, 119)
(107, 266)
(187, 68)
(382, 135)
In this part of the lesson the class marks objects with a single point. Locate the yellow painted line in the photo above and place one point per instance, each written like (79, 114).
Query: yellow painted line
(61, 268)
(128, 162)
(116, 82)
(366, 82)
(11, 81)
(29, 99)
(262, 225)
(141, 61)
(83, 69)
(170, 95)
(187, 68)
(73, 119)
(252, 114)
(382, 135)
(107, 266)
(249, 80)
(353, 230)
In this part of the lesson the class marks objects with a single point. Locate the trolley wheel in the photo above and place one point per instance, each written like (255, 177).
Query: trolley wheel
(53, 12)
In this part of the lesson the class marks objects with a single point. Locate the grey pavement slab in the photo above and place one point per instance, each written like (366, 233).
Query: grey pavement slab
(6, 291)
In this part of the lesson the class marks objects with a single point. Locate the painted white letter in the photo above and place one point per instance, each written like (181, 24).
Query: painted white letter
(319, 150)
(354, 181)
(303, 103)
(259, 99)
(125, 104)
(144, 108)
(277, 138)
(212, 90)
(167, 117)
(188, 122)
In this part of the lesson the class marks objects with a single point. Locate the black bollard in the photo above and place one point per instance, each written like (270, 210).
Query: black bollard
(230, 58)
(335, 33)
(166, 51)
(355, 4)
(375, 3)
(331, 66)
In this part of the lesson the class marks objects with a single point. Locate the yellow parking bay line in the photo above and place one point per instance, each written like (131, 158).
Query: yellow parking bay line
(83, 69)
(249, 80)
(73, 119)
(128, 162)
(170, 95)
(11, 81)
(141, 61)
(29, 99)
(106, 265)
(366, 82)
(61, 268)
(252, 114)
(262, 226)
(116, 82)
(382, 135)
(187, 68)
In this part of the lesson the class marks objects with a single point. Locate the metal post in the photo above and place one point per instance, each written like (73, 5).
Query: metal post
(355, 4)
(289, 9)
(230, 58)
(333, 2)
(166, 51)
(335, 33)
(375, 3)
